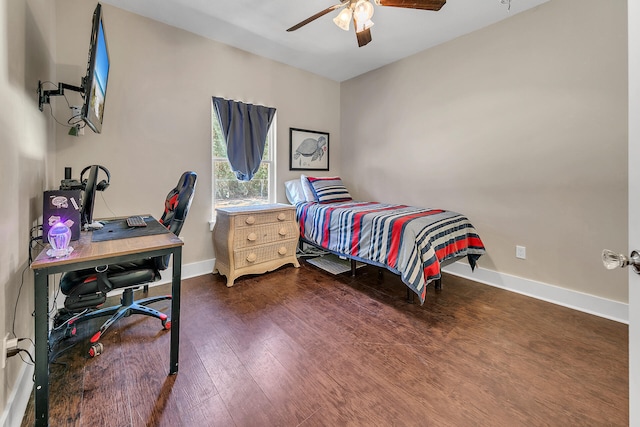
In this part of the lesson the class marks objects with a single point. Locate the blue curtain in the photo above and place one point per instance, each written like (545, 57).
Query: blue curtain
(245, 128)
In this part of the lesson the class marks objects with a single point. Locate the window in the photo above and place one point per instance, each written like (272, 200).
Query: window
(227, 190)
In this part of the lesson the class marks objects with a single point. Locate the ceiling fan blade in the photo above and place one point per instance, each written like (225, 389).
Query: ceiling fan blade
(414, 4)
(316, 16)
(364, 37)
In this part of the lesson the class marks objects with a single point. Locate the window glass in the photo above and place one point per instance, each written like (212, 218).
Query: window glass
(227, 190)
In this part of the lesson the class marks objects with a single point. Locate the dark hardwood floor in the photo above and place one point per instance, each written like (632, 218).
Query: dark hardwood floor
(300, 347)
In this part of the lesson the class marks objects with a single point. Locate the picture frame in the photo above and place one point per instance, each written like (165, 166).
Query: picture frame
(308, 150)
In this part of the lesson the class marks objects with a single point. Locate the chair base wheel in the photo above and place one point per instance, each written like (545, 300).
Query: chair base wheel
(96, 350)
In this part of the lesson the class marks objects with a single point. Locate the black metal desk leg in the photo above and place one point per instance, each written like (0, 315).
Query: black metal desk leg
(175, 310)
(41, 347)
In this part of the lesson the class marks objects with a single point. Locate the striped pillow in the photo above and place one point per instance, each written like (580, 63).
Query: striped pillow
(329, 190)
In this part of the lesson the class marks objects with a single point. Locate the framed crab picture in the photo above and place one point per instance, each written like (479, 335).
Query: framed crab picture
(308, 150)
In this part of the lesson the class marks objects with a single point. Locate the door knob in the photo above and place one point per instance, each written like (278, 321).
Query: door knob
(613, 260)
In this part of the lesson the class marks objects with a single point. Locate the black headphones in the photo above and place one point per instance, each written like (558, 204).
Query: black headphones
(102, 185)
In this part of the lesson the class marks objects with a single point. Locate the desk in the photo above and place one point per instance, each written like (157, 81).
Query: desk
(87, 254)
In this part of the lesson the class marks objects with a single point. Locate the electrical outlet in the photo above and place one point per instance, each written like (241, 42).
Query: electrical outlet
(11, 344)
(7, 345)
(4, 349)
(521, 252)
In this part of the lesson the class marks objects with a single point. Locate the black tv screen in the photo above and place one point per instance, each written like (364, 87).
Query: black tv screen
(89, 196)
(95, 83)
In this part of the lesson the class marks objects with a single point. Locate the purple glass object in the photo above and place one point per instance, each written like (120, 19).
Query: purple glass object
(59, 238)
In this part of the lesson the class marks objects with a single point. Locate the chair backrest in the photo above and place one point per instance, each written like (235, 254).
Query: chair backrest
(176, 208)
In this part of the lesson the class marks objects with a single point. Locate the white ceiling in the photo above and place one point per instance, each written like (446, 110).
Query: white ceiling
(259, 26)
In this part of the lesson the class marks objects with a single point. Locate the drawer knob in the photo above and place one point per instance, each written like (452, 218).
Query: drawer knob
(252, 257)
(282, 231)
(282, 250)
(252, 237)
(282, 216)
(250, 220)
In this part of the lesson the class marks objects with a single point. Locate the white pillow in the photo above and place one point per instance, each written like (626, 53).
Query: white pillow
(306, 188)
(294, 192)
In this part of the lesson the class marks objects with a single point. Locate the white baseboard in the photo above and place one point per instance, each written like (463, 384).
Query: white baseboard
(194, 269)
(19, 396)
(591, 304)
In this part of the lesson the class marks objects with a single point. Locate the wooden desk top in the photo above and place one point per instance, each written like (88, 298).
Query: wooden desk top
(86, 250)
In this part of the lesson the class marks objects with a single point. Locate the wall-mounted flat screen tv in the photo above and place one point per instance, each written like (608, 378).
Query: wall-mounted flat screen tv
(95, 82)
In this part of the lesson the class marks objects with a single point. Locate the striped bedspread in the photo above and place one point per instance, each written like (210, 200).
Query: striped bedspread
(409, 241)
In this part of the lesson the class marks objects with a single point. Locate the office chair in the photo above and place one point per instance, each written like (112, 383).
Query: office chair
(87, 289)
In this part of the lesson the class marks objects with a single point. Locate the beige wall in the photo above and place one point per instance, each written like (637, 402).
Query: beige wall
(26, 147)
(522, 126)
(157, 115)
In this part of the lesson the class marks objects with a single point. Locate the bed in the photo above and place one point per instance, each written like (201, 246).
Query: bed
(410, 241)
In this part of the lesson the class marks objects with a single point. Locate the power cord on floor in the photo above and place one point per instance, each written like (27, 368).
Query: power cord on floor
(310, 251)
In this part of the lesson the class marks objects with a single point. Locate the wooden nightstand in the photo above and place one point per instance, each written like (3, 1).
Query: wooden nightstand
(254, 239)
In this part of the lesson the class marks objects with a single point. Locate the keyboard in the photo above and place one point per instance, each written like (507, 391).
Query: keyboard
(136, 221)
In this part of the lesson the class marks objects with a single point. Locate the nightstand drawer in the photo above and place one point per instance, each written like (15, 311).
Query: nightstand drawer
(262, 234)
(266, 253)
(258, 218)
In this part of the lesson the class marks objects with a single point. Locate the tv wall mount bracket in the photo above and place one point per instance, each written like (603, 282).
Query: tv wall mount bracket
(45, 95)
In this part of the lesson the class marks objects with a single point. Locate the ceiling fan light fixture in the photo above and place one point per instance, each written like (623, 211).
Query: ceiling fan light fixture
(343, 19)
(363, 11)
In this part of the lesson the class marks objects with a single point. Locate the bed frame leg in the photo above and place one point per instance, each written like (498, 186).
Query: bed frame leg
(438, 284)
(410, 296)
(353, 268)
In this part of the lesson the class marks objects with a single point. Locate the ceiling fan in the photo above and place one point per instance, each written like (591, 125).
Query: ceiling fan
(361, 11)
